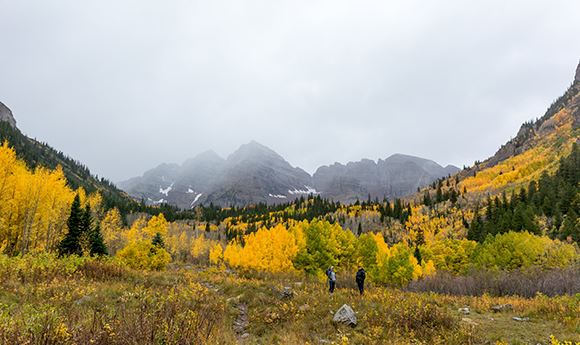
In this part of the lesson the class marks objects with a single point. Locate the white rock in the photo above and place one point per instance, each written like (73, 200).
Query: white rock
(345, 315)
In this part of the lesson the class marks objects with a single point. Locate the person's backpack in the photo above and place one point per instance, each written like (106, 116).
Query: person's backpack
(360, 276)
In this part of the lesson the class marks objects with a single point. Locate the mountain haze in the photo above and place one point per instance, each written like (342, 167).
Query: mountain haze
(254, 173)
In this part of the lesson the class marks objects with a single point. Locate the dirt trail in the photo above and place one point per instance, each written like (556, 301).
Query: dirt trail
(242, 322)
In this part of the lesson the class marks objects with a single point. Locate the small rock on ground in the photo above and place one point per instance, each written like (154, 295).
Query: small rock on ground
(287, 293)
(501, 307)
(517, 318)
(464, 310)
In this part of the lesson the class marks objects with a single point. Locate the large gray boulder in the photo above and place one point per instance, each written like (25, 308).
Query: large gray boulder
(345, 315)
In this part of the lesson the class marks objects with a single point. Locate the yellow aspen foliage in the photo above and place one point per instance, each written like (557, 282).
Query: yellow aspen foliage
(232, 254)
(346, 249)
(95, 201)
(200, 248)
(398, 267)
(135, 233)
(515, 250)
(157, 224)
(269, 250)
(450, 254)
(529, 165)
(383, 252)
(436, 225)
(216, 254)
(112, 230)
(428, 268)
(34, 205)
(143, 254)
(417, 269)
(177, 242)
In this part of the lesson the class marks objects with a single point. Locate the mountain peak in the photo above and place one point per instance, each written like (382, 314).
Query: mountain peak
(577, 76)
(254, 145)
(206, 156)
(402, 158)
(6, 115)
(253, 150)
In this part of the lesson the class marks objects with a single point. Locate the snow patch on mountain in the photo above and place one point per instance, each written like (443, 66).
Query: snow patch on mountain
(190, 191)
(196, 199)
(277, 196)
(308, 190)
(157, 202)
(166, 190)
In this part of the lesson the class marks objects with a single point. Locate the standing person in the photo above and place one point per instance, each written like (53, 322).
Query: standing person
(331, 279)
(360, 279)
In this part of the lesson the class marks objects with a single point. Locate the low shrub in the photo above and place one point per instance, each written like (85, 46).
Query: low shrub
(525, 283)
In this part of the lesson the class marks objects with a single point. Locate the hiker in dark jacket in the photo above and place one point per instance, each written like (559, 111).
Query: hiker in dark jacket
(360, 279)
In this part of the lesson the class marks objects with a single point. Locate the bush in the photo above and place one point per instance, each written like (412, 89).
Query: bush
(144, 255)
(526, 283)
(396, 267)
(450, 254)
(515, 250)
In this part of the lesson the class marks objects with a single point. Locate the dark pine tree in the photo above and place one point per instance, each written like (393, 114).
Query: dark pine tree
(570, 228)
(475, 231)
(98, 247)
(427, 198)
(86, 229)
(417, 254)
(157, 241)
(71, 244)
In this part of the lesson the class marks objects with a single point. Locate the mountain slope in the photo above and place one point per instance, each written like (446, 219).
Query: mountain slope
(524, 164)
(35, 153)
(537, 148)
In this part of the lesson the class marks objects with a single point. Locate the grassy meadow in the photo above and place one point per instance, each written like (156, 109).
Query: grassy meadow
(45, 300)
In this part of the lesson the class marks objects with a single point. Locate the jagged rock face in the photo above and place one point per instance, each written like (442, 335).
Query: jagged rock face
(396, 176)
(6, 115)
(255, 173)
(577, 76)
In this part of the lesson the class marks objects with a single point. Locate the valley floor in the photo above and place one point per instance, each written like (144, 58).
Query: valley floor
(78, 301)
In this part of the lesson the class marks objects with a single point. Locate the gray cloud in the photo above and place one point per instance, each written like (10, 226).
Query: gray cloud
(125, 85)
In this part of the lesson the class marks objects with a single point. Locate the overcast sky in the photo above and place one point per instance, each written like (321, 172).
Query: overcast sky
(125, 85)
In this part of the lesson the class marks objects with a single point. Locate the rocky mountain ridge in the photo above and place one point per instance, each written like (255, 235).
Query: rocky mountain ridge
(254, 173)
(6, 115)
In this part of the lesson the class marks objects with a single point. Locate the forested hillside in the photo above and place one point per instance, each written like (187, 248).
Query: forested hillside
(38, 154)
